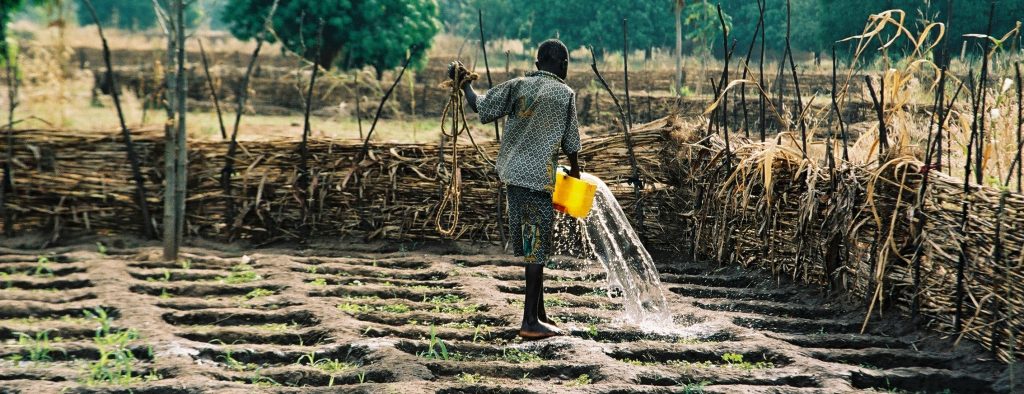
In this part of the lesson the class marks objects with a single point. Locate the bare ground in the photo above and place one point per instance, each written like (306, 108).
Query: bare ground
(359, 319)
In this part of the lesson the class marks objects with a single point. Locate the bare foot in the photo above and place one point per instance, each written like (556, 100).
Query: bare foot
(538, 330)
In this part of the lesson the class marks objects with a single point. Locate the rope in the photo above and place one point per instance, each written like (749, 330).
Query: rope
(452, 197)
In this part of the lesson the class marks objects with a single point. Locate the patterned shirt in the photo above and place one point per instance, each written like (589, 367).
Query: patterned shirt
(541, 112)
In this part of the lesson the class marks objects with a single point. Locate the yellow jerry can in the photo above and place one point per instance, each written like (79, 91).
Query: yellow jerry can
(572, 196)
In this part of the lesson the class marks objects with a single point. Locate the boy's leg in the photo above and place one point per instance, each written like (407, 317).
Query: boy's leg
(527, 236)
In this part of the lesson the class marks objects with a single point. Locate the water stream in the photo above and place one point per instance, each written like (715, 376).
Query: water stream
(609, 238)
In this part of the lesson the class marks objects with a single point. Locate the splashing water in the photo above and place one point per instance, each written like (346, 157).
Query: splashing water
(632, 275)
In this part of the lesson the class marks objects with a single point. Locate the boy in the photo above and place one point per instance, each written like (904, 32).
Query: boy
(541, 111)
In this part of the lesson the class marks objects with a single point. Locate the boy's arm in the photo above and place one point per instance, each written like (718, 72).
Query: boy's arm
(470, 95)
(571, 145)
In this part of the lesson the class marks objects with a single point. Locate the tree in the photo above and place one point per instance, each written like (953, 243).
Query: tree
(356, 33)
(134, 15)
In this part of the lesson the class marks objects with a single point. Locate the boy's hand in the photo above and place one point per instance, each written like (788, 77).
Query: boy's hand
(574, 172)
(457, 67)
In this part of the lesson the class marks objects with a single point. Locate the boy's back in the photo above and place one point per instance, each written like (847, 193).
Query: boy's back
(541, 112)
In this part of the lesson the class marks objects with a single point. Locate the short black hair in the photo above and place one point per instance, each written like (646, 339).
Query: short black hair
(552, 52)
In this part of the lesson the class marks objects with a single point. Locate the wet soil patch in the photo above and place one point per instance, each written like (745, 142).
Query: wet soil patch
(666, 355)
(841, 341)
(761, 379)
(366, 272)
(770, 308)
(558, 288)
(386, 292)
(391, 264)
(45, 284)
(710, 280)
(540, 371)
(697, 291)
(794, 325)
(245, 337)
(621, 336)
(219, 318)
(918, 381)
(885, 358)
(482, 389)
(198, 289)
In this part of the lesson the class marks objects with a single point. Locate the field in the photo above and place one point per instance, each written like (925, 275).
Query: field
(431, 319)
(787, 269)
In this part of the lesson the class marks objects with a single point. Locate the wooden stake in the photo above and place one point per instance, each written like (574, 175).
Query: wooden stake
(133, 158)
(487, 66)
(366, 143)
(213, 91)
(7, 185)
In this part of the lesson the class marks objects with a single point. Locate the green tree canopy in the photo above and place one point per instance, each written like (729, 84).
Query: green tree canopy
(133, 15)
(356, 33)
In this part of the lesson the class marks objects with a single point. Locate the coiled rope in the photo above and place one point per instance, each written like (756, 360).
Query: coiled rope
(447, 220)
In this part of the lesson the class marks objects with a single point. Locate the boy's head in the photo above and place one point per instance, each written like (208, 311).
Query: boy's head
(553, 57)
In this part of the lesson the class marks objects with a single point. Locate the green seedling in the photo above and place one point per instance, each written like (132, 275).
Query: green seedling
(38, 346)
(231, 362)
(355, 308)
(470, 378)
(101, 248)
(517, 356)
(480, 332)
(330, 366)
(734, 360)
(258, 292)
(311, 269)
(591, 331)
(694, 388)
(42, 268)
(116, 360)
(262, 381)
(436, 350)
(362, 377)
(319, 282)
(100, 316)
(186, 264)
(164, 294)
(6, 278)
(241, 273)
(581, 380)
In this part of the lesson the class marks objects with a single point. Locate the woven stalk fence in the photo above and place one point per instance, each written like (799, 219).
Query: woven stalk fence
(68, 182)
(867, 232)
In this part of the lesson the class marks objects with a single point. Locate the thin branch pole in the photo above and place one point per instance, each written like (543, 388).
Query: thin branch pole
(721, 85)
(366, 143)
(880, 113)
(964, 210)
(635, 178)
(761, 97)
(746, 69)
(796, 83)
(359, 111)
(7, 186)
(181, 159)
(133, 158)
(979, 113)
(242, 97)
(170, 136)
(213, 91)
(1020, 127)
(625, 66)
(835, 107)
(920, 219)
(307, 128)
(487, 66)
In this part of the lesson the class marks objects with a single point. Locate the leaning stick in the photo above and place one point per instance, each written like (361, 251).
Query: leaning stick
(133, 157)
(213, 91)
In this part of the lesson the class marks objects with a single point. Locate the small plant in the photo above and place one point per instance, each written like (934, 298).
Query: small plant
(42, 268)
(319, 282)
(591, 331)
(38, 346)
(101, 248)
(395, 308)
(480, 332)
(258, 292)
(186, 264)
(694, 387)
(355, 308)
(470, 378)
(231, 362)
(581, 380)
(116, 360)
(241, 273)
(517, 356)
(100, 316)
(164, 294)
(436, 350)
(362, 377)
(262, 381)
(734, 360)
(330, 366)
(6, 278)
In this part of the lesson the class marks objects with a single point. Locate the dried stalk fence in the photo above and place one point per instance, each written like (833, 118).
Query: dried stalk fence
(848, 229)
(69, 182)
(851, 230)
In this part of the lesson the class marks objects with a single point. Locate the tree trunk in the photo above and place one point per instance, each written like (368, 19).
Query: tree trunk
(679, 46)
(170, 147)
(181, 161)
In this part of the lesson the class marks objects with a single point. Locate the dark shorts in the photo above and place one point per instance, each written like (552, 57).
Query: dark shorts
(531, 217)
